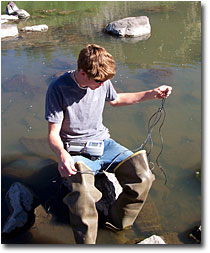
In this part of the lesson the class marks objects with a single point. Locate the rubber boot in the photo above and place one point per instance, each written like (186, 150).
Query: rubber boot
(135, 177)
(81, 203)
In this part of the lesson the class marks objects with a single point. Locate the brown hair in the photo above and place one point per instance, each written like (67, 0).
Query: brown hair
(96, 62)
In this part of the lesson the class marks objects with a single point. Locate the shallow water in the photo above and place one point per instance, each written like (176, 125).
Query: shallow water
(171, 55)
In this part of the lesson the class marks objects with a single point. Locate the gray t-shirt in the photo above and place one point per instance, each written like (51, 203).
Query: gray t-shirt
(79, 110)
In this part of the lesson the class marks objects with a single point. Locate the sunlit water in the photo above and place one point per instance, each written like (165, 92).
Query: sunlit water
(172, 55)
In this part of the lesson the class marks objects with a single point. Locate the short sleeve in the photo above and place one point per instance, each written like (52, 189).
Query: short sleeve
(111, 93)
(53, 105)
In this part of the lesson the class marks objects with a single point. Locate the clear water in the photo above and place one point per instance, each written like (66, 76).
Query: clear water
(172, 55)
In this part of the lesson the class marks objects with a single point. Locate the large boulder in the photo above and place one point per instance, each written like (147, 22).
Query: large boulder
(8, 30)
(130, 27)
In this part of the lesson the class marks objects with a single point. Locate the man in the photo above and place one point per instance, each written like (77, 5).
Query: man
(74, 107)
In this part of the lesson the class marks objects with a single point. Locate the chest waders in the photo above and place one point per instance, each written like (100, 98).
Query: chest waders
(135, 177)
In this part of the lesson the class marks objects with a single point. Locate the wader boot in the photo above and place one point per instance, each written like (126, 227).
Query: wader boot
(135, 177)
(81, 203)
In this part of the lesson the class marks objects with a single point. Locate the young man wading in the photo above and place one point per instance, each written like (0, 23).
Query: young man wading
(74, 107)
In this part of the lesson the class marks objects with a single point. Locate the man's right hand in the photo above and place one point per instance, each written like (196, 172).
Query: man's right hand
(66, 166)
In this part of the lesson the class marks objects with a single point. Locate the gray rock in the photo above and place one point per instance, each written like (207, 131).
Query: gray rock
(21, 203)
(22, 14)
(130, 27)
(154, 239)
(3, 21)
(8, 17)
(110, 188)
(35, 28)
(11, 8)
(8, 30)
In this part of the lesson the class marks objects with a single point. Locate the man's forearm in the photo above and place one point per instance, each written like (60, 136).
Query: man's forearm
(160, 92)
(65, 162)
(56, 144)
(133, 98)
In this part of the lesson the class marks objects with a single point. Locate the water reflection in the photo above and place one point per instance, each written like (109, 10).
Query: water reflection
(171, 55)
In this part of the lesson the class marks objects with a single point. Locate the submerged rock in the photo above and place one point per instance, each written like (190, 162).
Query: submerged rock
(21, 83)
(17, 83)
(38, 146)
(130, 27)
(156, 76)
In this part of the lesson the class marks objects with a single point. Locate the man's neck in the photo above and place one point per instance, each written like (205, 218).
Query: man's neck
(79, 80)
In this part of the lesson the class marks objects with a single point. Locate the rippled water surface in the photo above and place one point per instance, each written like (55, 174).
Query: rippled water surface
(171, 55)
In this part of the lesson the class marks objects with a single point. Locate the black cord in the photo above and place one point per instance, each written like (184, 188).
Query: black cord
(153, 121)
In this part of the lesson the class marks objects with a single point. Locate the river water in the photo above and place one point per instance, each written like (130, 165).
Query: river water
(171, 55)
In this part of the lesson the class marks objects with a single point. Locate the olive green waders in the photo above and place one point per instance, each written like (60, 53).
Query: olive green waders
(81, 203)
(135, 177)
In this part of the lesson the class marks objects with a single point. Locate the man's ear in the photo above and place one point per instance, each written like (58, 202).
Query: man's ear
(82, 72)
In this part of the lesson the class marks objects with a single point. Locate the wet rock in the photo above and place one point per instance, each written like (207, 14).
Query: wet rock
(21, 203)
(109, 186)
(35, 28)
(9, 30)
(22, 14)
(129, 27)
(11, 8)
(154, 239)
